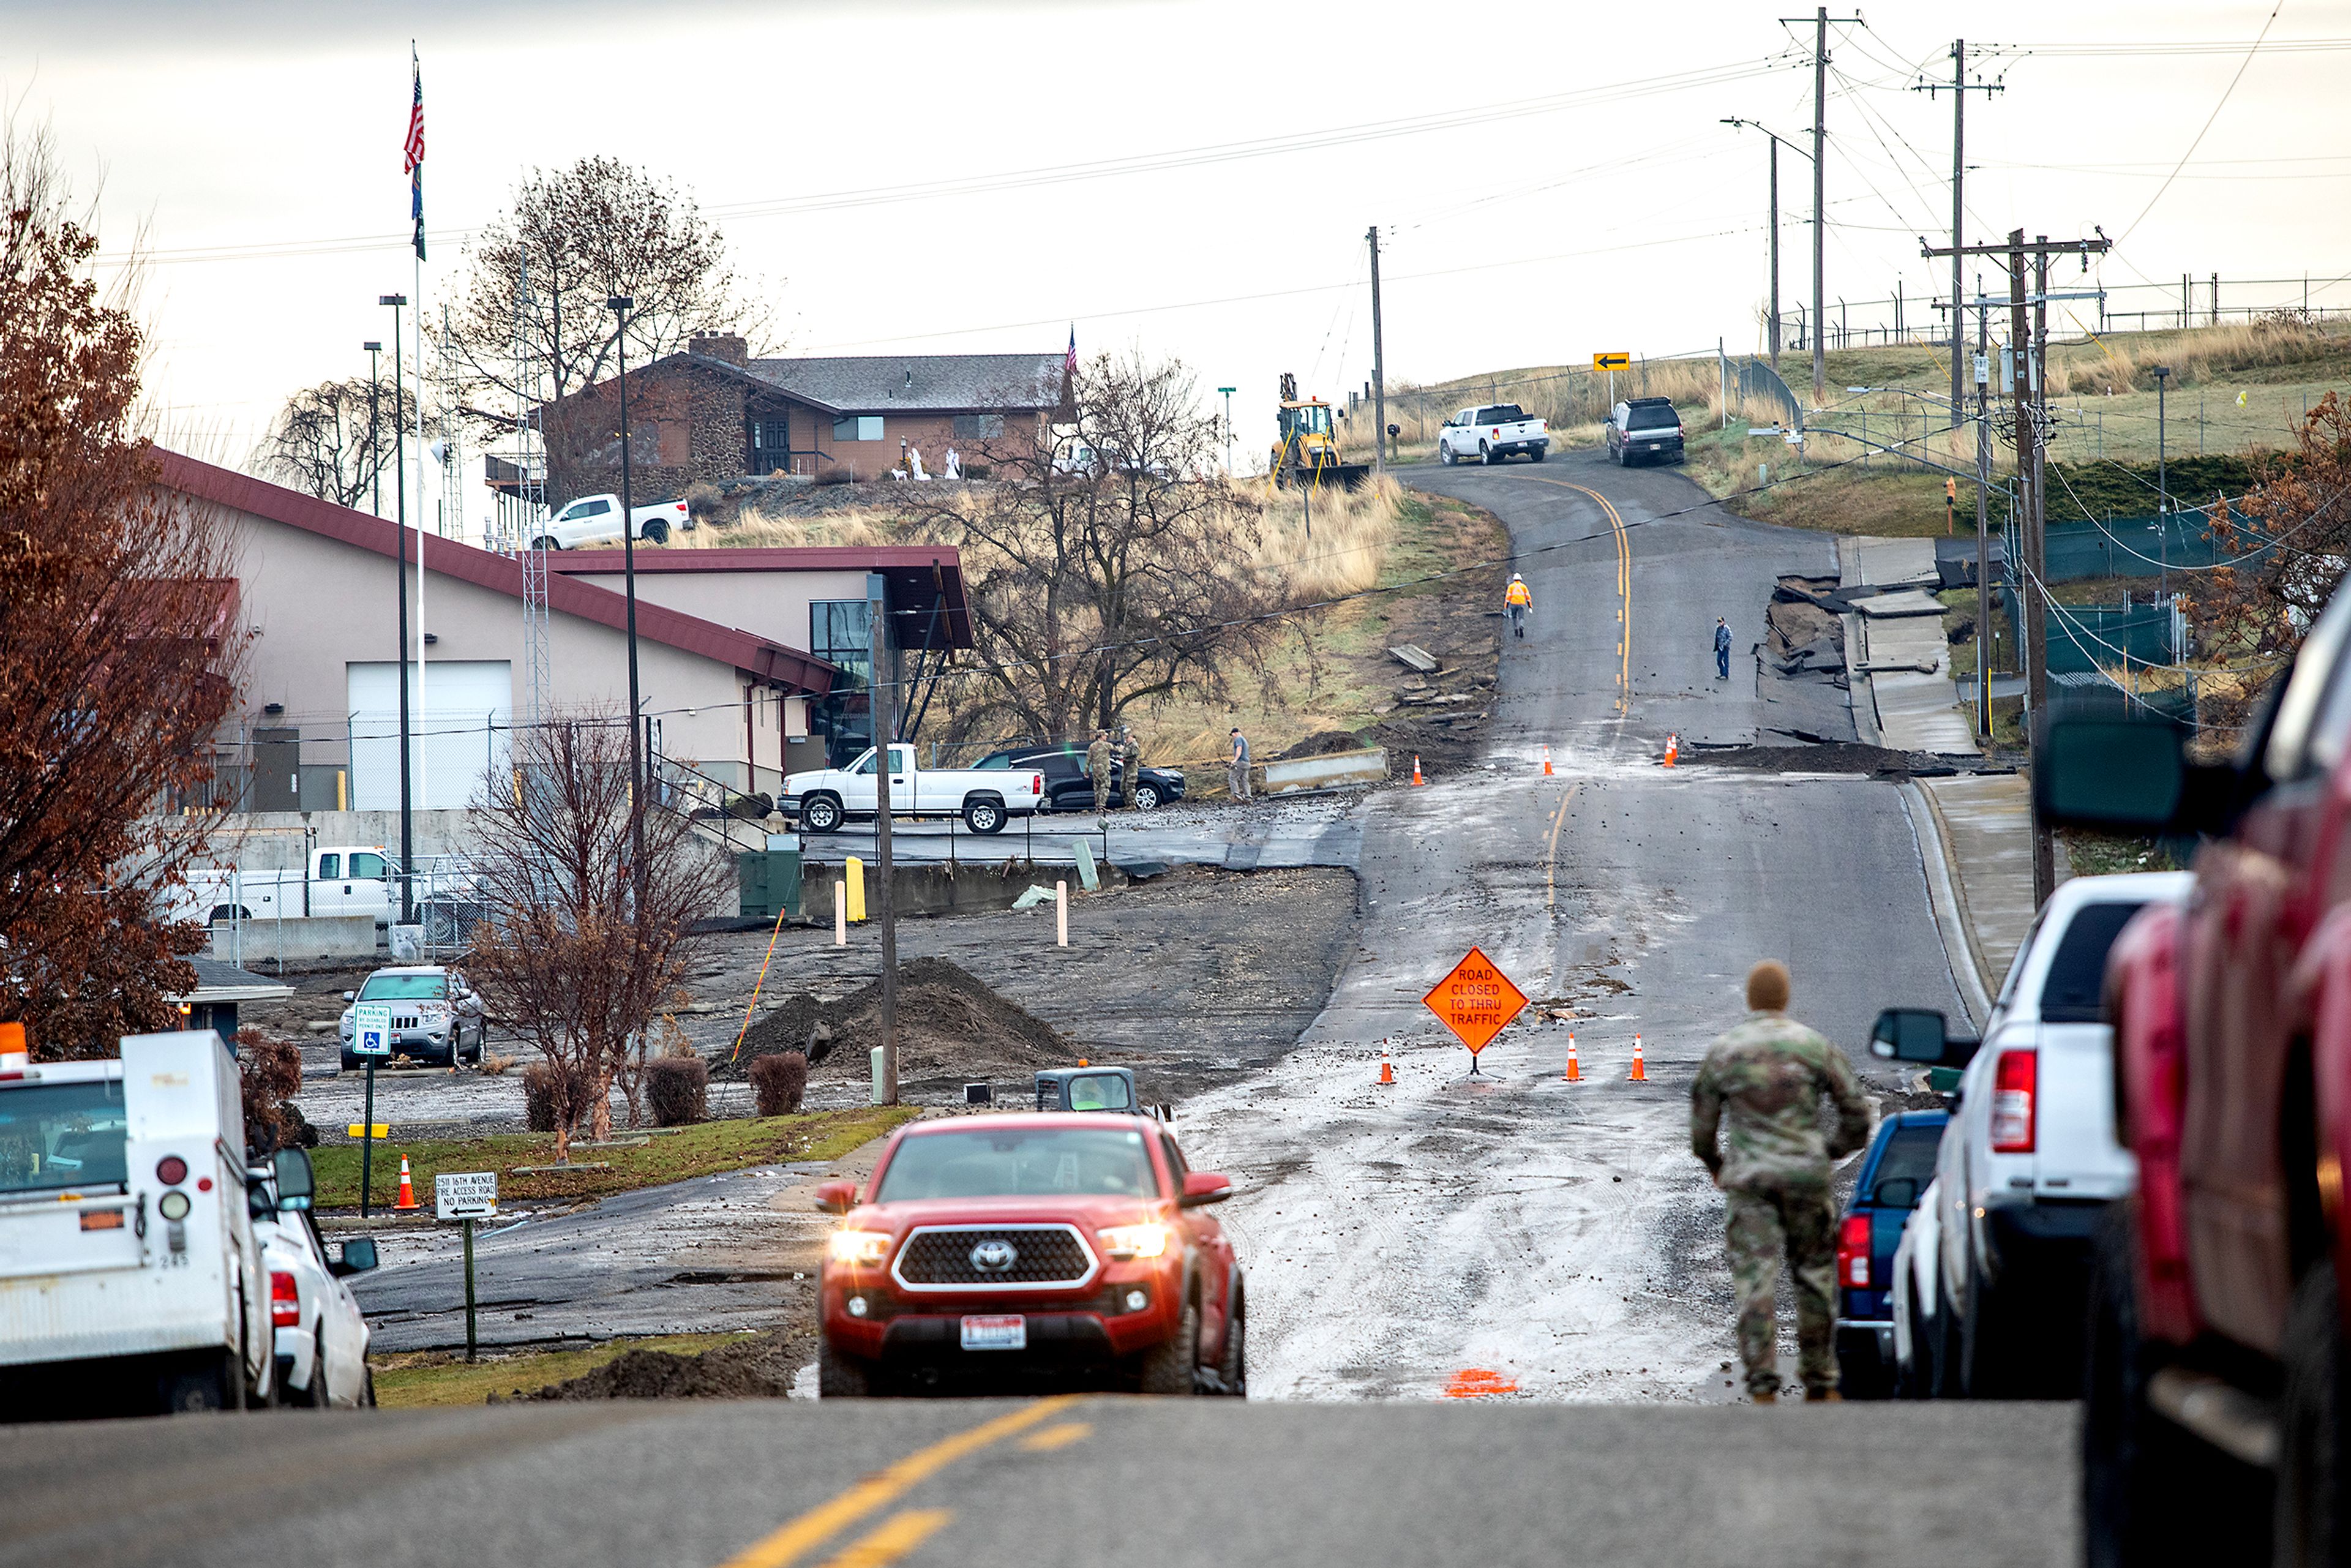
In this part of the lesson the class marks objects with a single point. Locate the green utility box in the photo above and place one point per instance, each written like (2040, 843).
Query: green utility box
(771, 880)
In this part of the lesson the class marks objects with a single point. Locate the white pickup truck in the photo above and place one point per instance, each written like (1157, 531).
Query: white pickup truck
(1492, 434)
(131, 1269)
(984, 798)
(338, 879)
(596, 520)
(2030, 1160)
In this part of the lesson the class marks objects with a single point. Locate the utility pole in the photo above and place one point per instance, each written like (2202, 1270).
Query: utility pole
(878, 690)
(620, 305)
(1820, 206)
(1983, 525)
(1227, 393)
(1379, 364)
(1960, 90)
(2028, 340)
(2162, 478)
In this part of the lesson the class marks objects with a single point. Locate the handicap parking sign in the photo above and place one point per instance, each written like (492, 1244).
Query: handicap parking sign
(372, 1028)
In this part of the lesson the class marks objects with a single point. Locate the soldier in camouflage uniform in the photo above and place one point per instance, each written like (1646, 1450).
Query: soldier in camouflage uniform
(1098, 768)
(1755, 1114)
(1130, 761)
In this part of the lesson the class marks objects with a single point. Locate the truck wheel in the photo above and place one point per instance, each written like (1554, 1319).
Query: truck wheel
(545, 541)
(840, 1376)
(1485, 455)
(1915, 1379)
(821, 813)
(1539, 453)
(1167, 1367)
(1445, 457)
(1233, 1367)
(1943, 1371)
(2309, 1478)
(983, 816)
(213, 1382)
(1147, 797)
(1987, 1353)
(655, 533)
(315, 1397)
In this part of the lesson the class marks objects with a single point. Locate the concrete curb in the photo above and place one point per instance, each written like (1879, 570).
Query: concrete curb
(1947, 895)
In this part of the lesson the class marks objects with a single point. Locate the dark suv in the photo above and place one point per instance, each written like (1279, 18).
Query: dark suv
(1645, 427)
(1067, 787)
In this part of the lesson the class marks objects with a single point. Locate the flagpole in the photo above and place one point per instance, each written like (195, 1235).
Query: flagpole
(425, 751)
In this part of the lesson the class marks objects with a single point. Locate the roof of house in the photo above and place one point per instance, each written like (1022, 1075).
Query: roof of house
(220, 982)
(895, 383)
(919, 576)
(770, 662)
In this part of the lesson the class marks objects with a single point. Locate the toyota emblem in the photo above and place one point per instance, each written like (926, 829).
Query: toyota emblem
(994, 1256)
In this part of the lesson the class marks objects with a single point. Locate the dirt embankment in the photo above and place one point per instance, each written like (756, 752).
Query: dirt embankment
(951, 1024)
(760, 1367)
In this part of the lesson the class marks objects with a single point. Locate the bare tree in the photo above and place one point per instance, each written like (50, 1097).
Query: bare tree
(334, 439)
(532, 323)
(1113, 565)
(119, 645)
(567, 957)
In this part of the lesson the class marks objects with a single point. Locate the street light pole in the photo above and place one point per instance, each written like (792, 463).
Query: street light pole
(1775, 141)
(1228, 428)
(399, 667)
(620, 305)
(2162, 482)
(1379, 365)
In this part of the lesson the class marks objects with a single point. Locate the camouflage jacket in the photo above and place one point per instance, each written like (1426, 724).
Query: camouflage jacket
(1098, 759)
(1755, 1110)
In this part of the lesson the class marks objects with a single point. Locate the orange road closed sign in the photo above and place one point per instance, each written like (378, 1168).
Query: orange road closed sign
(1475, 1000)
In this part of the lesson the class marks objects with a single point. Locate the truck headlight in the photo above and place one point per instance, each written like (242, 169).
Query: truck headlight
(1124, 1241)
(859, 1248)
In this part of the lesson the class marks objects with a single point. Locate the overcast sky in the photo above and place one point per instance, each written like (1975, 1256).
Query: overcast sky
(1554, 206)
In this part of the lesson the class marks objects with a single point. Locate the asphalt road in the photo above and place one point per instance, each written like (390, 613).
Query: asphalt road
(1559, 1234)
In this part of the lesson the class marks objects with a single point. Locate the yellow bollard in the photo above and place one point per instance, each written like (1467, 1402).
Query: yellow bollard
(853, 876)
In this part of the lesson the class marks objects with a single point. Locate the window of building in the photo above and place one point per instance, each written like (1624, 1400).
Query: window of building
(858, 427)
(979, 426)
(840, 632)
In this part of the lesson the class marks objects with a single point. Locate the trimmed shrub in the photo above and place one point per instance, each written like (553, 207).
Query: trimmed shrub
(835, 474)
(779, 1081)
(549, 1101)
(677, 1090)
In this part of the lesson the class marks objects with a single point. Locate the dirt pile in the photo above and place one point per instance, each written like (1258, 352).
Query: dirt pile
(1841, 757)
(950, 1025)
(760, 1368)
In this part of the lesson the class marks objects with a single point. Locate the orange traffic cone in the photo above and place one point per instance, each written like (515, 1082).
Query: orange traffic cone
(1546, 759)
(407, 1191)
(1673, 749)
(1574, 1074)
(1640, 1073)
(1387, 1073)
(1417, 779)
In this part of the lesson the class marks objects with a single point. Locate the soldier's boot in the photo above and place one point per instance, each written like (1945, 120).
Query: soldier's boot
(1824, 1396)
(1759, 1398)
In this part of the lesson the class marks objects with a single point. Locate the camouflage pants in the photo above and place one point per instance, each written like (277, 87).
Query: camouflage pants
(1765, 1217)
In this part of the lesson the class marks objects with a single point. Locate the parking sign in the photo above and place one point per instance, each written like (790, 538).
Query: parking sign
(372, 1028)
(465, 1195)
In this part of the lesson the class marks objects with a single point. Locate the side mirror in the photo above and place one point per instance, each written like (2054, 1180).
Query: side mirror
(1203, 1187)
(1895, 1192)
(2127, 776)
(351, 995)
(836, 1196)
(1919, 1035)
(258, 1204)
(296, 1182)
(356, 1256)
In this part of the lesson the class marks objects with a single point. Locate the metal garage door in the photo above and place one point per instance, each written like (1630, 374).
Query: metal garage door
(455, 741)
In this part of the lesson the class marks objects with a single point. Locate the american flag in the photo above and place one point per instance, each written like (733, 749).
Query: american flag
(412, 151)
(1070, 359)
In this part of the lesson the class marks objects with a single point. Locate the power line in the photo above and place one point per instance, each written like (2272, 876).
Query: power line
(2225, 94)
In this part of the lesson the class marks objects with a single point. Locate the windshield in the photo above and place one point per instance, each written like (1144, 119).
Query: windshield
(2075, 990)
(62, 1134)
(405, 988)
(1654, 418)
(1004, 1161)
(1099, 1092)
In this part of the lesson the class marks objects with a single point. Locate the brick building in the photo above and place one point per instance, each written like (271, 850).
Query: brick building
(713, 412)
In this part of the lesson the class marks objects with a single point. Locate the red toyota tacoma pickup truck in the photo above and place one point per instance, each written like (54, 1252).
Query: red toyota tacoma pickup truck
(2215, 1395)
(1072, 1243)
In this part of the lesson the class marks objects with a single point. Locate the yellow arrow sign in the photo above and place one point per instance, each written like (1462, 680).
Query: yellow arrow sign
(1611, 361)
(382, 1131)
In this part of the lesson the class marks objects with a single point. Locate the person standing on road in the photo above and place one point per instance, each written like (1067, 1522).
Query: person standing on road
(1130, 761)
(1519, 599)
(1721, 649)
(1755, 1122)
(1237, 776)
(1098, 768)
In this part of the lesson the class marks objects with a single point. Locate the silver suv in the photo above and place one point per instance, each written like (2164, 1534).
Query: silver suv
(1645, 427)
(435, 1012)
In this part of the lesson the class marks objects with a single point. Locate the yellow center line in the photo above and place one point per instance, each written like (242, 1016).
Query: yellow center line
(1623, 543)
(896, 1538)
(877, 1491)
(1060, 1436)
(1551, 855)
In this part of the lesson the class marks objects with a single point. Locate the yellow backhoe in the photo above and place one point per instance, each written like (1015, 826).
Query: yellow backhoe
(1308, 455)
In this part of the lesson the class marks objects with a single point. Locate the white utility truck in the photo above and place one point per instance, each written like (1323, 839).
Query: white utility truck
(984, 798)
(596, 520)
(338, 879)
(131, 1269)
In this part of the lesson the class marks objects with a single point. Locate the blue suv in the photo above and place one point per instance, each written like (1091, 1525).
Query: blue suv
(1895, 1170)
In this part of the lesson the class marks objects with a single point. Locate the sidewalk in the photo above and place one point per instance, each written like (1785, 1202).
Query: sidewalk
(1974, 830)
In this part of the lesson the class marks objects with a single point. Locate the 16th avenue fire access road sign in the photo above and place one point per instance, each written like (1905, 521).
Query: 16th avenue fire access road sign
(1475, 1000)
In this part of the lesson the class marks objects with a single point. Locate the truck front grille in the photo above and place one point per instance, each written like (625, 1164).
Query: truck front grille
(941, 1257)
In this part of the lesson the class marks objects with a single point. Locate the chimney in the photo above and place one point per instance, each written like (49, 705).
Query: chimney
(727, 346)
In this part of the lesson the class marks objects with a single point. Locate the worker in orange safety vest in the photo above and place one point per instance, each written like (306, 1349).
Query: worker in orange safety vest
(1520, 601)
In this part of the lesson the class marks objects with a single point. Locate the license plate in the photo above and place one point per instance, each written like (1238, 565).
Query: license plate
(996, 1333)
(1654, 445)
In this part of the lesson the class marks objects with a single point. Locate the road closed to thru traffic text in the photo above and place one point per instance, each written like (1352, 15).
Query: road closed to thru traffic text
(1475, 1001)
